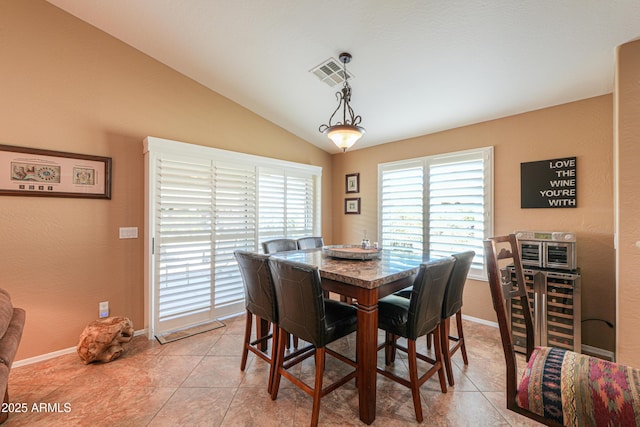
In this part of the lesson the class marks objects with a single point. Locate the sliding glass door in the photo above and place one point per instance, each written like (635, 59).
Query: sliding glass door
(202, 205)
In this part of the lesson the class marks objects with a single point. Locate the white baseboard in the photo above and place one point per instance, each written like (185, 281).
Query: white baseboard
(43, 357)
(47, 356)
(585, 349)
(481, 321)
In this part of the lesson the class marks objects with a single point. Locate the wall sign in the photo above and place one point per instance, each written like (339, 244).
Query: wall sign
(548, 184)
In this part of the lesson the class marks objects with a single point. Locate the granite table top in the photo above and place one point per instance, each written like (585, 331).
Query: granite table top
(370, 274)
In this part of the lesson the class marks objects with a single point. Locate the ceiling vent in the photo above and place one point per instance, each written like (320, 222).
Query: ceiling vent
(331, 72)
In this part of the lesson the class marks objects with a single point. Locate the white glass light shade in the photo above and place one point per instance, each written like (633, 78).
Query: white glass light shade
(344, 136)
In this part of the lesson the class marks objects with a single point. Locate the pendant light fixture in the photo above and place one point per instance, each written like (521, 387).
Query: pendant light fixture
(344, 133)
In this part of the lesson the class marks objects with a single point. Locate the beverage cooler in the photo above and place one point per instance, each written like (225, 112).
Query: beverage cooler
(554, 299)
(554, 295)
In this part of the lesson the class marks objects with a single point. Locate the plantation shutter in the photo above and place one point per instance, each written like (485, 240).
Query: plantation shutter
(183, 246)
(459, 206)
(401, 212)
(272, 204)
(235, 228)
(438, 205)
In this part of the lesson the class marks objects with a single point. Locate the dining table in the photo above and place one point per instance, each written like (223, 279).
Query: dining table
(365, 281)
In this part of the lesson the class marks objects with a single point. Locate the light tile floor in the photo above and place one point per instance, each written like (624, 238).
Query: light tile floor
(197, 382)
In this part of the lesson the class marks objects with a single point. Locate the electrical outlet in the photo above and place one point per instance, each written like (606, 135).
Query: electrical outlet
(103, 308)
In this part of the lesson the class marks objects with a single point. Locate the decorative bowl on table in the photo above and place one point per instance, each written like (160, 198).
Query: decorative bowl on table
(351, 252)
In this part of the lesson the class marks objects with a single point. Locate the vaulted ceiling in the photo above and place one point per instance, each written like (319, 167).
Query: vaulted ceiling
(419, 66)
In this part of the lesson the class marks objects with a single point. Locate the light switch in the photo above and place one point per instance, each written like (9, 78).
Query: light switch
(128, 232)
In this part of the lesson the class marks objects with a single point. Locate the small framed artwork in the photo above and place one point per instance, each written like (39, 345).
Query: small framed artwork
(352, 183)
(34, 172)
(352, 206)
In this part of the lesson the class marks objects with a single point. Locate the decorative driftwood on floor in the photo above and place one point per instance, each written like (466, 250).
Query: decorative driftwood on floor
(102, 339)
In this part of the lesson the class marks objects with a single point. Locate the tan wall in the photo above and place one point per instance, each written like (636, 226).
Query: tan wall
(627, 103)
(582, 129)
(67, 86)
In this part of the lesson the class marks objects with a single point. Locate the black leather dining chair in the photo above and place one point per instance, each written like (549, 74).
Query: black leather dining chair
(260, 301)
(310, 242)
(305, 313)
(279, 245)
(452, 306)
(412, 318)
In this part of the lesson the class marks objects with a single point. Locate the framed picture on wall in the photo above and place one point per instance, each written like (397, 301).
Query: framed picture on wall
(34, 172)
(352, 183)
(352, 206)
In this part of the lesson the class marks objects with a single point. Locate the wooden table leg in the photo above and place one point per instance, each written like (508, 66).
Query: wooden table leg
(366, 348)
(367, 341)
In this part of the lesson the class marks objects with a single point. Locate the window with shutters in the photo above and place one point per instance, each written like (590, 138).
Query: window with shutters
(203, 204)
(438, 205)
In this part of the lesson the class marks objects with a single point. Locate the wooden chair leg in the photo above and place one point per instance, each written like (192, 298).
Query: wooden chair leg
(247, 340)
(413, 379)
(260, 332)
(429, 340)
(279, 361)
(291, 339)
(317, 389)
(287, 343)
(389, 348)
(437, 347)
(445, 326)
(272, 367)
(463, 347)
